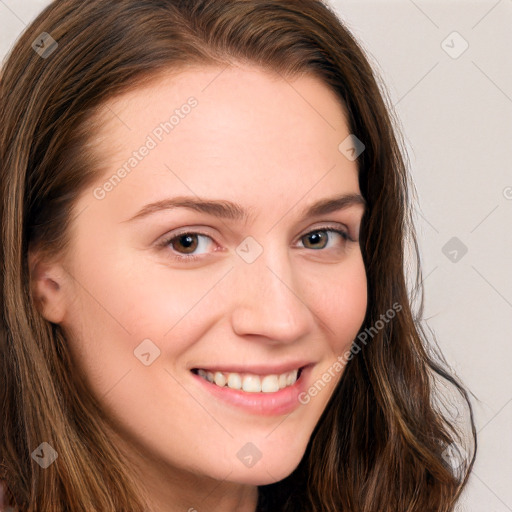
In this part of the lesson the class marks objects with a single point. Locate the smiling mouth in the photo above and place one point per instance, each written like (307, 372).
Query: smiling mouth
(250, 383)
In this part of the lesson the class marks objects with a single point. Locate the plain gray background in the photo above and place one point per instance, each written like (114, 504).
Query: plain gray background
(447, 68)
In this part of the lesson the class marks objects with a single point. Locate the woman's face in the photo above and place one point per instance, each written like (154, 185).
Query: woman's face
(256, 290)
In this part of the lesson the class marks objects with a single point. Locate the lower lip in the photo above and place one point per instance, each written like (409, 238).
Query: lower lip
(281, 402)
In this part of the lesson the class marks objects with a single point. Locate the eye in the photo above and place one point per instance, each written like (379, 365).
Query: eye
(184, 244)
(318, 238)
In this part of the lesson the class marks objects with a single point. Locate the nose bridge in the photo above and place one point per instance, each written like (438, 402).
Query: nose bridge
(267, 300)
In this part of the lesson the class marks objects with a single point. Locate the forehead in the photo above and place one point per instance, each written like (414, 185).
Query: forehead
(230, 101)
(248, 130)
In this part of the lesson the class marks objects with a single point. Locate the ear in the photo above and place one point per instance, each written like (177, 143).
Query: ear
(46, 285)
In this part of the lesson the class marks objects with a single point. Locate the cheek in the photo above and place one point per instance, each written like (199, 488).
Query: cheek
(340, 301)
(340, 305)
(126, 303)
(130, 297)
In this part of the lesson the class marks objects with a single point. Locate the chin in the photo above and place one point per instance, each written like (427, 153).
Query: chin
(264, 474)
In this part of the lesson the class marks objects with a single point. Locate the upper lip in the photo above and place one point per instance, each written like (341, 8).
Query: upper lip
(258, 369)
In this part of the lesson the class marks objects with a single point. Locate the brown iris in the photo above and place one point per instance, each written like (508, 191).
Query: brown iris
(188, 241)
(316, 236)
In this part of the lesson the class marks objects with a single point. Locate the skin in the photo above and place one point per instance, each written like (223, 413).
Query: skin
(271, 145)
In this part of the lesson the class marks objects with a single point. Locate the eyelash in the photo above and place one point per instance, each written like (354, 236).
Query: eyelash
(166, 242)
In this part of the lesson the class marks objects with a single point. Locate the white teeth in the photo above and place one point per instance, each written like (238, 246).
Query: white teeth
(270, 384)
(250, 383)
(234, 381)
(220, 379)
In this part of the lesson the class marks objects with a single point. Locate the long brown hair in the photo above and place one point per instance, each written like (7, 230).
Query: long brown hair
(381, 443)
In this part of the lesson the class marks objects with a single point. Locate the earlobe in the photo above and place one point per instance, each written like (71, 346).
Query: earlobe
(47, 292)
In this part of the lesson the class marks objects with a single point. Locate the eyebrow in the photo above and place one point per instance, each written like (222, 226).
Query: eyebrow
(234, 211)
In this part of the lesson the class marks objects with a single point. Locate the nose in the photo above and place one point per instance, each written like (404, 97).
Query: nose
(268, 300)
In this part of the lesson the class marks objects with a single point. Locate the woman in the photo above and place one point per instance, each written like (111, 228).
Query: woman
(204, 220)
